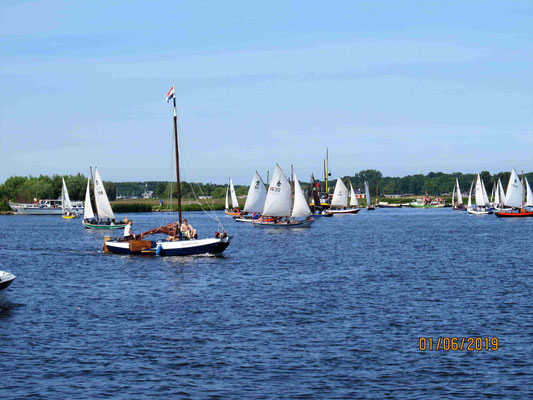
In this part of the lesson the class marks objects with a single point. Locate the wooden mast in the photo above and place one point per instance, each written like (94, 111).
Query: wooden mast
(177, 159)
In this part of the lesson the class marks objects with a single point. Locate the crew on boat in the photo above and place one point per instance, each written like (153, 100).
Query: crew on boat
(187, 231)
(128, 234)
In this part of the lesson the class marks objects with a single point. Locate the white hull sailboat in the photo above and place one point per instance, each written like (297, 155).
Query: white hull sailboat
(234, 211)
(6, 278)
(457, 197)
(66, 205)
(482, 206)
(277, 210)
(514, 198)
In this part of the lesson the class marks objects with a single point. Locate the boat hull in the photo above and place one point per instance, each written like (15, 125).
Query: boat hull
(503, 214)
(6, 279)
(348, 211)
(192, 247)
(106, 227)
(295, 224)
(475, 212)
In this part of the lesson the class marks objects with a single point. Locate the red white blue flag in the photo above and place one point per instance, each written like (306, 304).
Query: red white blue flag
(170, 94)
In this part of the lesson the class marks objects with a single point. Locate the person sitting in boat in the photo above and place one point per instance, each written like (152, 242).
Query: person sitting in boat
(188, 231)
(128, 234)
(125, 220)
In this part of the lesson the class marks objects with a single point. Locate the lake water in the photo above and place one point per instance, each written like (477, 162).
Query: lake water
(331, 312)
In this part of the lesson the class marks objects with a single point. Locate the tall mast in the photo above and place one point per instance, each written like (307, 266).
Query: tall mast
(177, 157)
(327, 170)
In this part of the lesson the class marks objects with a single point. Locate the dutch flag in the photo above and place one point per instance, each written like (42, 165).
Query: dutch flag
(170, 94)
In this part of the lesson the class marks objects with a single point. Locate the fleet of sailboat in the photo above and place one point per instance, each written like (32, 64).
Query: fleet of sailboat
(514, 198)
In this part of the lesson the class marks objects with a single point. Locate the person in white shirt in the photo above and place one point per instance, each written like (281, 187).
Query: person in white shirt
(127, 230)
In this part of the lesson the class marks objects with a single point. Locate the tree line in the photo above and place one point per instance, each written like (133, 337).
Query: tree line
(25, 189)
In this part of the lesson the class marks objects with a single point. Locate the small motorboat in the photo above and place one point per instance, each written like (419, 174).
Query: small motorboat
(5, 279)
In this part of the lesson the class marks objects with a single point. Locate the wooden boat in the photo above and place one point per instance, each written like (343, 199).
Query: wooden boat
(105, 218)
(277, 210)
(234, 211)
(6, 279)
(339, 203)
(180, 245)
(515, 198)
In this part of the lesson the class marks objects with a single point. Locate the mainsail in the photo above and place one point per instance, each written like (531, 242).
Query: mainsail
(513, 198)
(301, 208)
(459, 195)
(496, 199)
(340, 195)
(103, 208)
(502, 193)
(234, 201)
(367, 193)
(278, 199)
(87, 206)
(469, 205)
(227, 198)
(529, 199)
(256, 195)
(353, 198)
(65, 203)
(453, 195)
(480, 193)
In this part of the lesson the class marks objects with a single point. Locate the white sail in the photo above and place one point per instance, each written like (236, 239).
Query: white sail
(340, 195)
(66, 204)
(480, 198)
(255, 200)
(529, 198)
(234, 201)
(353, 198)
(278, 199)
(453, 196)
(513, 198)
(88, 208)
(496, 199)
(103, 208)
(301, 208)
(485, 197)
(227, 198)
(469, 205)
(367, 193)
(502, 192)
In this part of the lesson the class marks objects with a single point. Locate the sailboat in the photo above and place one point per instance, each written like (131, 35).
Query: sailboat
(278, 204)
(514, 198)
(104, 213)
(499, 197)
(339, 203)
(255, 200)
(234, 211)
(66, 205)
(176, 244)
(369, 205)
(482, 201)
(457, 205)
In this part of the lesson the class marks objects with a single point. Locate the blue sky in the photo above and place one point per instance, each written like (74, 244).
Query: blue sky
(403, 87)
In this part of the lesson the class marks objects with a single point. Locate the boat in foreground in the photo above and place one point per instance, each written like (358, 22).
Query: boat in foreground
(181, 239)
(162, 247)
(6, 278)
